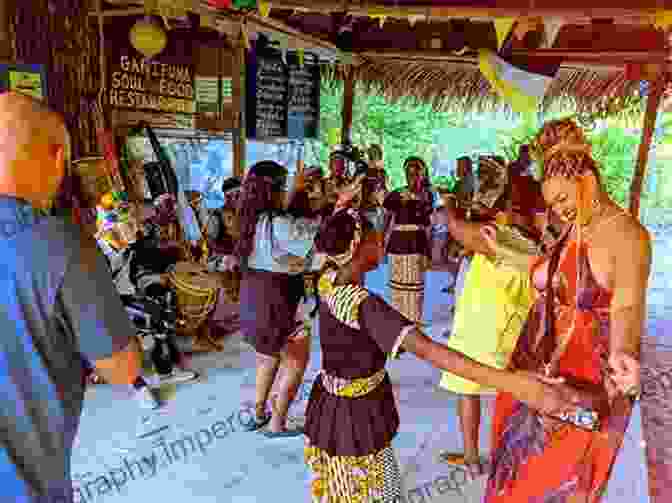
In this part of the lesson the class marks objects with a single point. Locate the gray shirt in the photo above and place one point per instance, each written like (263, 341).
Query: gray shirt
(58, 306)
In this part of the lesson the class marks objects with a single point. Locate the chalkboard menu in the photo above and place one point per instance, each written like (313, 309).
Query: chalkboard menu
(304, 100)
(283, 100)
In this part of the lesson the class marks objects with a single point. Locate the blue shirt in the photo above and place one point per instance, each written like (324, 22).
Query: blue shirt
(57, 306)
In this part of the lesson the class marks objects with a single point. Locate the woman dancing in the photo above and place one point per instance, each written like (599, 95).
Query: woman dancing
(410, 210)
(272, 250)
(585, 326)
(351, 417)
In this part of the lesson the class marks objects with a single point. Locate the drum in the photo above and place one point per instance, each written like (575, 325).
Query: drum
(196, 291)
(189, 268)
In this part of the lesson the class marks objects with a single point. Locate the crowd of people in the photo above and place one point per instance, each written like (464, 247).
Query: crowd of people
(549, 313)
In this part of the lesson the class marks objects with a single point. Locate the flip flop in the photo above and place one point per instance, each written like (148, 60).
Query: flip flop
(294, 432)
(256, 423)
(474, 468)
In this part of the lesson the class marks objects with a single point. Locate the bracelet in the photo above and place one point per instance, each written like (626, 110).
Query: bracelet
(633, 392)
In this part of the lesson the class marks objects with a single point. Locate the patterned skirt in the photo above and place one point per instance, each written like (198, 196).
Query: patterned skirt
(407, 284)
(375, 478)
(371, 478)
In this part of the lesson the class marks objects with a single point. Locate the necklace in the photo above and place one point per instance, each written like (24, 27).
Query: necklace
(585, 235)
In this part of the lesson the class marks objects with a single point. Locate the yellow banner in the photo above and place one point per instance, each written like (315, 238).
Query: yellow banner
(264, 9)
(379, 14)
(334, 136)
(503, 27)
(662, 19)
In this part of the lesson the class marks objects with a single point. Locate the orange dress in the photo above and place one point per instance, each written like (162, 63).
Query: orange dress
(538, 460)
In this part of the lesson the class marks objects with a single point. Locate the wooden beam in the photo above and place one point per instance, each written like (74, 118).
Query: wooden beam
(574, 12)
(581, 57)
(597, 56)
(346, 111)
(652, 103)
(135, 11)
(5, 40)
(429, 55)
(267, 24)
(470, 63)
(239, 105)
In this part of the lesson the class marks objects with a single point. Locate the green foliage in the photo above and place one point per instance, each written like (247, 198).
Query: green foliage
(613, 148)
(402, 128)
(405, 129)
(511, 140)
(445, 183)
(616, 152)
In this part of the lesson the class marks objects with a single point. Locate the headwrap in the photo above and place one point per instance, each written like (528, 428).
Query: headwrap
(340, 236)
(375, 152)
(256, 196)
(493, 178)
(339, 168)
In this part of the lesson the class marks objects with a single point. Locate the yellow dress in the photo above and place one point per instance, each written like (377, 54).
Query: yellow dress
(489, 317)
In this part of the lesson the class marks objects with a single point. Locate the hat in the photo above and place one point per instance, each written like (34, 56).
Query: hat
(493, 178)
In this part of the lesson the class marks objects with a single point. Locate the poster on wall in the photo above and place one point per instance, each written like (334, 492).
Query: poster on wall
(26, 79)
(207, 95)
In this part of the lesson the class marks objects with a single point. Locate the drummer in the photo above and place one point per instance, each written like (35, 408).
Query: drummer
(222, 226)
(272, 253)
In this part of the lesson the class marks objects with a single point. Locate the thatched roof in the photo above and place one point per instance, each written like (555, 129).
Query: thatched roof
(459, 85)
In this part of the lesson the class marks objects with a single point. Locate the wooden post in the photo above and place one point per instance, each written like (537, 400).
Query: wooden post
(652, 103)
(348, 99)
(5, 41)
(239, 94)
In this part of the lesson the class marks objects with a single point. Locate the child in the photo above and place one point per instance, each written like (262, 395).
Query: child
(351, 417)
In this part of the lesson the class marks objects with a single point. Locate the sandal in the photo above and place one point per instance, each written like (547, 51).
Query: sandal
(288, 433)
(475, 468)
(258, 422)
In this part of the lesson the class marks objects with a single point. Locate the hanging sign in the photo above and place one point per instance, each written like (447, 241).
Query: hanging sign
(165, 83)
(143, 85)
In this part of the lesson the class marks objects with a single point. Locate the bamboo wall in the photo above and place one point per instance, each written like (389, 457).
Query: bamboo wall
(64, 39)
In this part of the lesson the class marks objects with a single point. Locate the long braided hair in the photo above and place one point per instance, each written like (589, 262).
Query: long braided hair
(263, 181)
(565, 152)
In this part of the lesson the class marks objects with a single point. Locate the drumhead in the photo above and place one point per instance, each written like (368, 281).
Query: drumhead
(185, 267)
(199, 281)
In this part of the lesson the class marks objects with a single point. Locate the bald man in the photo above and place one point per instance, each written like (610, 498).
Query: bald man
(58, 306)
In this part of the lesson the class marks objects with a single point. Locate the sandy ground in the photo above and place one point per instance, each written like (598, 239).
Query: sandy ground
(194, 450)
